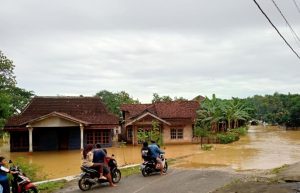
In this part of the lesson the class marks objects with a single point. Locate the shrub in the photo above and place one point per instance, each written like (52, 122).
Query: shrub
(206, 147)
(240, 131)
(227, 137)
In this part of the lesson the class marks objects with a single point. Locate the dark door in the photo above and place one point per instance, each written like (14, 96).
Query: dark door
(63, 139)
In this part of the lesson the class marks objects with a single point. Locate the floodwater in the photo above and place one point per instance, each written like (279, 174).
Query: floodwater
(261, 148)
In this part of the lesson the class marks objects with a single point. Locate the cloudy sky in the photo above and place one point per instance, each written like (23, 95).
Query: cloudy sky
(170, 47)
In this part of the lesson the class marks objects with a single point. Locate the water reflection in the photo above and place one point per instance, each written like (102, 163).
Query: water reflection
(262, 148)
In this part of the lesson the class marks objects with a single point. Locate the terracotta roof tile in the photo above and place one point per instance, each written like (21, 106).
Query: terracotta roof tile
(88, 109)
(165, 110)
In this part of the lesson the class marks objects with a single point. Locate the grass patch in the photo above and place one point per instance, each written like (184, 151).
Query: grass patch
(278, 169)
(49, 187)
(130, 171)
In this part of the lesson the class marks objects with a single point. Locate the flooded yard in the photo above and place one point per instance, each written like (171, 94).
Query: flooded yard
(261, 148)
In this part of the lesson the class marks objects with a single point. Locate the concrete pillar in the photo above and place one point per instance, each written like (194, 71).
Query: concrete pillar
(30, 129)
(81, 135)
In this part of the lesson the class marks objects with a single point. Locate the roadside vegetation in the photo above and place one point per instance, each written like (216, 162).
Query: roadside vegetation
(50, 187)
(223, 120)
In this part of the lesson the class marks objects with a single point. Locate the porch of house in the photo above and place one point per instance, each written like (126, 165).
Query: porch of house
(58, 138)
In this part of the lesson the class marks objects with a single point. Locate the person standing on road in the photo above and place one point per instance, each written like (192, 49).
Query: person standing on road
(155, 154)
(99, 157)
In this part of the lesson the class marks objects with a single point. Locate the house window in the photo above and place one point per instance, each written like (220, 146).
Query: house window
(176, 133)
(129, 133)
(93, 137)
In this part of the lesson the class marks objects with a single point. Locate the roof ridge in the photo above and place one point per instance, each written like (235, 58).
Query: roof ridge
(65, 97)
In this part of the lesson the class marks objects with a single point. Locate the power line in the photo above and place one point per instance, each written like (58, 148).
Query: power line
(276, 29)
(286, 20)
(296, 6)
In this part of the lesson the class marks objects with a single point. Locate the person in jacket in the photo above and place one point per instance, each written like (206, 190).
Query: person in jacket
(155, 154)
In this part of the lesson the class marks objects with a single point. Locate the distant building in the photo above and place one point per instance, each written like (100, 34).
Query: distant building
(61, 123)
(176, 120)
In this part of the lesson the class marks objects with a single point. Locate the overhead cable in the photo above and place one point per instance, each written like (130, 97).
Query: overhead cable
(286, 20)
(276, 29)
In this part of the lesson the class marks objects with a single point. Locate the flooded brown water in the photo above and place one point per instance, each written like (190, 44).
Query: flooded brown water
(261, 148)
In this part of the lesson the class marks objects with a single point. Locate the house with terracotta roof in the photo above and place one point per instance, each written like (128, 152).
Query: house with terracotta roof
(61, 123)
(176, 120)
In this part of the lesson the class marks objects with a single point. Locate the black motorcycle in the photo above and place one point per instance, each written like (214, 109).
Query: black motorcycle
(149, 167)
(90, 177)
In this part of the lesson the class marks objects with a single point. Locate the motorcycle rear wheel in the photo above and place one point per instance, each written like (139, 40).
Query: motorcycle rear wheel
(31, 190)
(83, 184)
(116, 176)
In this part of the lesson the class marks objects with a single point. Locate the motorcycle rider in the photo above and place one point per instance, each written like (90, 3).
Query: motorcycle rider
(87, 156)
(3, 175)
(155, 154)
(99, 157)
(145, 151)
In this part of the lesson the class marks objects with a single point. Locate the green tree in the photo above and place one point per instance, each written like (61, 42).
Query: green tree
(12, 98)
(201, 132)
(7, 78)
(153, 134)
(113, 101)
(157, 98)
(210, 113)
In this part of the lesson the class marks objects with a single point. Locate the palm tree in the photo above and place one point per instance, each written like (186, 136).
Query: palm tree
(235, 110)
(211, 113)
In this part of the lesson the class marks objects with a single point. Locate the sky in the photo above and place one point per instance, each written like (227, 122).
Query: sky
(180, 48)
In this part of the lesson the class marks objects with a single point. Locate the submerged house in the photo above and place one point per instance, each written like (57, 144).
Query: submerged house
(176, 120)
(61, 123)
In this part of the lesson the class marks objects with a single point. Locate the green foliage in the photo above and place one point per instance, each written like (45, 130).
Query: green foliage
(113, 101)
(152, 134)
(206, 147)
(157, 98)
(201, 132)
(12, 98)
(7, 78)
(31, 170)
(277, 108)
(49, 187)
(227, 137)
(241, 131)
(278, 169)
(5, 108)
(130, 171)
(216, 113)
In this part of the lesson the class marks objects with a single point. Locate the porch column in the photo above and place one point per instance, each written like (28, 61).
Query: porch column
(30, 129)
(81, 135)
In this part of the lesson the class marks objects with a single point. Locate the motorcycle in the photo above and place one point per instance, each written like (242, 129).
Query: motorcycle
(20, 182)
(149, 167)
(90, 177)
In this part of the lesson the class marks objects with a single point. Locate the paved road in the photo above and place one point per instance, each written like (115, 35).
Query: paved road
(176, 181)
